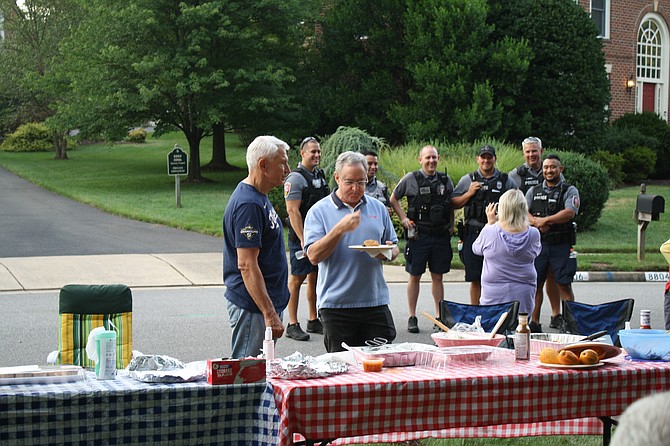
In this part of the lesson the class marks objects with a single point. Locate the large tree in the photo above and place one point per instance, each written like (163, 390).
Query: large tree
(30, 62)
(566, 91)
(190, 65)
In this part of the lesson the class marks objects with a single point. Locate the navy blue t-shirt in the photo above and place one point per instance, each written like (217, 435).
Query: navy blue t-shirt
(250, 221)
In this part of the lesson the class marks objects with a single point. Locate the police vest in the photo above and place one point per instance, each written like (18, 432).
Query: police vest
(549, 203)
(430, 209)
(528, 180)
(492, 188)
(317, 188)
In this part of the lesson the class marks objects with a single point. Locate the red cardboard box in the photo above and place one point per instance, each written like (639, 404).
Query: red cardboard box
(235, 371)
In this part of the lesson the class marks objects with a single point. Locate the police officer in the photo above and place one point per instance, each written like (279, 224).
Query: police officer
(376, 188)
(303, 187)
(428, 222)
(473, 193)
(552, 206)
(526, 176)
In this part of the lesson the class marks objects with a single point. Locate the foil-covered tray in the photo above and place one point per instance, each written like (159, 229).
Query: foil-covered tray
(298, 366)
(164, 369)
(395, 355)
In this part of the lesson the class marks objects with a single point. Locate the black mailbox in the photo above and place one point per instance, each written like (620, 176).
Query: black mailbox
(651, 204)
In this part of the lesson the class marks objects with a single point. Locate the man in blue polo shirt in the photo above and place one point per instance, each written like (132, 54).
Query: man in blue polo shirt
(352, 295)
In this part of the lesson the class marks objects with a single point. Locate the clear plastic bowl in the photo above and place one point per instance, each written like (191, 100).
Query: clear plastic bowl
(646, 344)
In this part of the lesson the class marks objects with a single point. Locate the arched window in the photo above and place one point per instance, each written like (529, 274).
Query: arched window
(649, 46)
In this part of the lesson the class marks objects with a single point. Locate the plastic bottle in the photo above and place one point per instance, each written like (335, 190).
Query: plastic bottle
(411, 231)
(268, 346)
(105, 344)
(522, 339)
(460, 245)
(645, 319)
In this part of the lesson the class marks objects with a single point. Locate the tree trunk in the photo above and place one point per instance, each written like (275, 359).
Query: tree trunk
(60, 145)
(219, 162)
(193, 137)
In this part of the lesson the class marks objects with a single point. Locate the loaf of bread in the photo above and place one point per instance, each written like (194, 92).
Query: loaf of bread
(371, 243)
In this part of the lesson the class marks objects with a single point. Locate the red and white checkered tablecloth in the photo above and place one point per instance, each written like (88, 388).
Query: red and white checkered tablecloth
(499, 399)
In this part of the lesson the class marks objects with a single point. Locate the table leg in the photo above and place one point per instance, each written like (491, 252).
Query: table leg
(608, 422)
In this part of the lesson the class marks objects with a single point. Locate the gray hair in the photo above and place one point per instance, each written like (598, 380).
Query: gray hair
(513, 209)
(265, 146)
(644, 423)
(350, 158)
(532, 140)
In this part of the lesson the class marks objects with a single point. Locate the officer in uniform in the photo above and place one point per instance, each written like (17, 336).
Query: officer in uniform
(376, 188)
(303, 187)
(428, 223)
(552, 207)
(527, 175)
(473, 193)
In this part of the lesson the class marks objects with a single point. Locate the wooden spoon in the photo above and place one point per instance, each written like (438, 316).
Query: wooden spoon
(435, 321)
(498, 325)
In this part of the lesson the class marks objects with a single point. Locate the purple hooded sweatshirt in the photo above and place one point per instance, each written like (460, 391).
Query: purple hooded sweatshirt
(509, 271)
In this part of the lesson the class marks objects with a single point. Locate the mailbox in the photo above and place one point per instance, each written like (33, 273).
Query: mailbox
(653, 205)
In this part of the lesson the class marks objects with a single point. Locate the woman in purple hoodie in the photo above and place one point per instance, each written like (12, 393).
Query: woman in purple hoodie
(509, 247)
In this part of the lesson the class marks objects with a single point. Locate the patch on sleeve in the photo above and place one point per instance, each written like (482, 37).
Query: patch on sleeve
(249, 232)
(575, 202)
(287, 189)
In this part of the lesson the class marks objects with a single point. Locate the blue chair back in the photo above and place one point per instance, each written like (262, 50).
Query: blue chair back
(584, 319)
(453, 312)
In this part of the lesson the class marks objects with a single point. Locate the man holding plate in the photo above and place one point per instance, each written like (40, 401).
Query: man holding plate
(352, 295)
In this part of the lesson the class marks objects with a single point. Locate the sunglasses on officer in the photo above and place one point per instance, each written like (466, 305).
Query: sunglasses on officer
(308, 140)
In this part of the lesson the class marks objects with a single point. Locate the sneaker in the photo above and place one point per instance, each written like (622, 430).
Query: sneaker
(314, 326)
(556, 321)
(535, 327)
(294, 331)
(413, 324)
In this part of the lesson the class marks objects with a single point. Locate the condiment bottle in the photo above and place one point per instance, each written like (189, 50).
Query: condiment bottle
(645, 319)
(522, 339)
(268, 346)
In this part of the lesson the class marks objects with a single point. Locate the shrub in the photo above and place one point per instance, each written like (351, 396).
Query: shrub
(592, 182)
(613, 162)
(656, 136)
(31, 137)
(638, 163)
(138, 135)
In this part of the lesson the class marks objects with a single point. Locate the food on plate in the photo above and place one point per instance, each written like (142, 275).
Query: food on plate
(566, 357)
(373, 364)
(371, 243)
(588, 356)
(549, 356)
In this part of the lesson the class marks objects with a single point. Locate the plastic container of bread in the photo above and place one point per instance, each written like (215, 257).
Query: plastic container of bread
(395, 355)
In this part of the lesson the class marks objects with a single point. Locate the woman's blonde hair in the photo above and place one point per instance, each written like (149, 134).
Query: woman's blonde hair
(513, 210)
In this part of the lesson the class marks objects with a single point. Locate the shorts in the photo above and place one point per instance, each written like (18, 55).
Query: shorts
(432, 249)
(300, 267)
(355, 326)
(472, 262)
(556, 257)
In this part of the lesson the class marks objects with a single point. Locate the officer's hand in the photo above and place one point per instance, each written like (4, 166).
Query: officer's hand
(474, 187)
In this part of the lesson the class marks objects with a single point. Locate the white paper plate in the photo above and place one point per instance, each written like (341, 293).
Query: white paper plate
(374, 251)
(575, 366)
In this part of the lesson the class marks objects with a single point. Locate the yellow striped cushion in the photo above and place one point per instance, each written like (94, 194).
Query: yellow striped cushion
(73, 336)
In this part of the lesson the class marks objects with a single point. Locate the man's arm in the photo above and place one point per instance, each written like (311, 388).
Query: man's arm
(324, 247)
(461, 200)
(247, 262)
(293, 210)
(395, 204)
(543, 223)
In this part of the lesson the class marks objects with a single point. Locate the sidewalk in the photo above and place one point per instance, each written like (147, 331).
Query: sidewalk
(19, 274)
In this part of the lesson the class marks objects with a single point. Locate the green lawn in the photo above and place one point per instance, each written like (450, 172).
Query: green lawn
(131, 180)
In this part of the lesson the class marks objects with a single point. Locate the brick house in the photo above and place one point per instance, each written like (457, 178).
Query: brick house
(636, 43)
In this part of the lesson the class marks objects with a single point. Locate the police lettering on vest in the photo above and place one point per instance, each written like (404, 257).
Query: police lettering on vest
(475, 210)
(430, 209)
(549, 203)
(317, 188)
(528, 180)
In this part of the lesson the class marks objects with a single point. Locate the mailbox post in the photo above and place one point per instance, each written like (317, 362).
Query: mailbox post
(647, 209)
(177, 165)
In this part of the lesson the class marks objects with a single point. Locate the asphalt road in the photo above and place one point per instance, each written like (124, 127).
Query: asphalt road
(35, 222)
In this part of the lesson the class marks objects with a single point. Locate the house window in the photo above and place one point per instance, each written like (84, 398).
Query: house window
(600, 14)
(649, 51)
